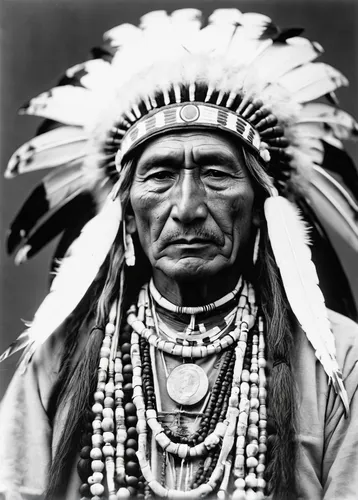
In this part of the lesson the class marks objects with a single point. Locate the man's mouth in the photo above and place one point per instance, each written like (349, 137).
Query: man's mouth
(191, 241)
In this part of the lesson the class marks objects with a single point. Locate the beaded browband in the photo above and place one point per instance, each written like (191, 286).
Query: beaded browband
(192, 114)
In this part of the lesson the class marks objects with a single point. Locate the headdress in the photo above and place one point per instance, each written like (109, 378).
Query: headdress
(239, 73)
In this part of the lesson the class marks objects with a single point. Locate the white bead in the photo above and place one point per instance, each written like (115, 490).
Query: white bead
(96, 425)
(108, 437)
(254, 403)
(240, 483)
(110, 329)
(97, 408)
(97, 465)
(97, 440)
(99, 396)
(123, 494)
(107, 424)
(252, 450)
(97, 489)
(251, 481)
(97, 477)
(108, 413)
(96, 454)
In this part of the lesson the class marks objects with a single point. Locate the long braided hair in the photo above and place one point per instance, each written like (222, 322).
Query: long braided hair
(273, 302)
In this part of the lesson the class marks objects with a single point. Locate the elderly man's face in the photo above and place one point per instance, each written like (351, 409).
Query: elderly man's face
(193, 201)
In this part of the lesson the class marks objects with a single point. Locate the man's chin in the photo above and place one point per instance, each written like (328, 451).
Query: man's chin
(191, 268)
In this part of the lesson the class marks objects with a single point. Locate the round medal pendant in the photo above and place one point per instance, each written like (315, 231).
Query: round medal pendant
(187, 384)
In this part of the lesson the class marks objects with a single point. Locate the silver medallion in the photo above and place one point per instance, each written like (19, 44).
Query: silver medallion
(187, 384)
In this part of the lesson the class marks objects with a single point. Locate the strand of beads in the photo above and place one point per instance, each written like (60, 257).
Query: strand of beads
(162, 301)
(260, 469)
(103, 410)
(186, 351)
(250, 485)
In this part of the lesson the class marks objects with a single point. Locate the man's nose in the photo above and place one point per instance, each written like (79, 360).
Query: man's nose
(189, 199)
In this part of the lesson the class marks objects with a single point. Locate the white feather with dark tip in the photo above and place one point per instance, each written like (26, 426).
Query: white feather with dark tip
(288, 238)
(312, 80)
(343, 125)
(52, 149)
(67, 104)
(75, 275)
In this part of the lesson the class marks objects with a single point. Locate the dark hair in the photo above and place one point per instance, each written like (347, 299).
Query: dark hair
(112, 278)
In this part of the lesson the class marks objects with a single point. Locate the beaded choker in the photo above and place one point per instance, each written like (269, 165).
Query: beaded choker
(232, 435)
(162, 301)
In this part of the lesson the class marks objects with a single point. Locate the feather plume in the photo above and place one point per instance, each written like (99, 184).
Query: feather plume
(55, 191)
(79, 206)
(343, 124)
(288, 237)
(341, 200)
(75, 275)
(52, 149)
(280, 58)
(92, 75)
(66, 104)
(312, 81)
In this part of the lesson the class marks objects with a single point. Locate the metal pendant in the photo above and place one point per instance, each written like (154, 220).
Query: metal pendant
(187, 384)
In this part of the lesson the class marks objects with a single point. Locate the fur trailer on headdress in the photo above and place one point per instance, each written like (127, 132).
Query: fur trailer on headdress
(239, 73)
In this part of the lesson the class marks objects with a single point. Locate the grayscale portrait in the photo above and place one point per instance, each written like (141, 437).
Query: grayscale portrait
(179, 250)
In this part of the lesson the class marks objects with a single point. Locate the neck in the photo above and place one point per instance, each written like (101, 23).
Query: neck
(196, 292)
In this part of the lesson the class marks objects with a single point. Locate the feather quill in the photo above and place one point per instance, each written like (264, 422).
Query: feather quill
(52, 149)
(76, 273)
(288, 237)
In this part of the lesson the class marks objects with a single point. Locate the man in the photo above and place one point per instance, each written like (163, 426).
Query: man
(184, 350)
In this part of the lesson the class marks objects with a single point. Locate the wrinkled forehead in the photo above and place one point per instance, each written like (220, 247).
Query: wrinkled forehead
(199, 145)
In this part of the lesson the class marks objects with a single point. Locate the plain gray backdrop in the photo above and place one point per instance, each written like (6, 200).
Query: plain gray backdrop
(40, 39)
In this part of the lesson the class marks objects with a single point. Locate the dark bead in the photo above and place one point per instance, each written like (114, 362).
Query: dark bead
(130, 454)
(200, 439)
(132, 468)
(132, 433)
(126, 348)
(126, 336)
(131, 420)
(132, 491)
(126, 358)
(84, 469)
(128, 369)
(132, 481)
(131, 443)
(85, 490)
(85, 452)
(127, 377)
(127, 387)
(140, 496)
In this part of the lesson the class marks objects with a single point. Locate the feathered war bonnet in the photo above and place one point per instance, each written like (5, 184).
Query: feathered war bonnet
(239, 73)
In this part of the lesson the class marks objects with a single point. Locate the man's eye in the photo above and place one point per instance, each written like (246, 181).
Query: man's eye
(217, 174)
(161, 175)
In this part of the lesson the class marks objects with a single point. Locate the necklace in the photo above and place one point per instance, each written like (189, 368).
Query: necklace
(162, 301)
(124, 414)
(245, 313)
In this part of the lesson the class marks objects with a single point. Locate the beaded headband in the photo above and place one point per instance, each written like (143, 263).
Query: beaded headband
(193, 114)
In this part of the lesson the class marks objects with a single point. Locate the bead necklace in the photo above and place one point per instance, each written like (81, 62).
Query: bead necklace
(159, 299)
(199, 337)
(187, 351)
(124, 375)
